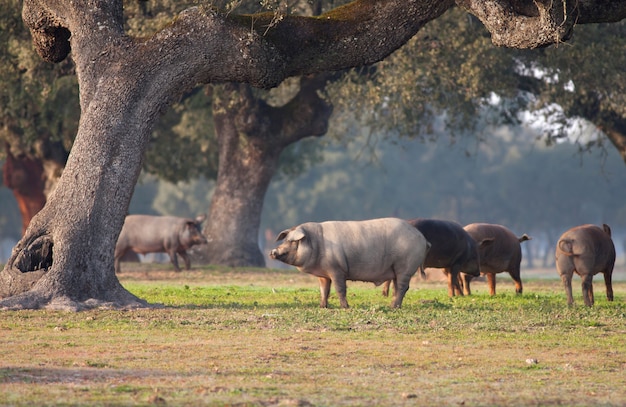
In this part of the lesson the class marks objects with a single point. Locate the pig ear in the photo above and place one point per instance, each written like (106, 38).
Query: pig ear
(486, 242)
(297, 235)
(282, 234)
(607, 229)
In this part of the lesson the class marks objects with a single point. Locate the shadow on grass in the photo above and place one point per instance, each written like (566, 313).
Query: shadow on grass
(78, 375)
(359, 306)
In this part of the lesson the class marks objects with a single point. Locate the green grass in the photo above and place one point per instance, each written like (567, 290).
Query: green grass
(258, 337)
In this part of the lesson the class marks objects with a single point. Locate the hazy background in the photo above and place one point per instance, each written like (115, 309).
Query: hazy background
(511, 178)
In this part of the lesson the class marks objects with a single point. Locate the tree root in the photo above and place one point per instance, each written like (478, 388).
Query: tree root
(36, 299)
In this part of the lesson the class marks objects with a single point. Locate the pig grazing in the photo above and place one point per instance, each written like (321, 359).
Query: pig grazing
(586, 250)
(452, 249)
(374, 250)
(499, 250)
(159, 234)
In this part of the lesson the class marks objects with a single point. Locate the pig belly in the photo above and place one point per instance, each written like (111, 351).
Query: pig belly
(145, 248)
(371, 276)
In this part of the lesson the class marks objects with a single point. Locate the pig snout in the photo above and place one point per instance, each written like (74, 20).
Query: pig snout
(199, 238)
(276, 255)
(280, 255)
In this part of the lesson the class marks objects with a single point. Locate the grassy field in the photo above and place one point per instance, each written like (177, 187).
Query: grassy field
(225, 337)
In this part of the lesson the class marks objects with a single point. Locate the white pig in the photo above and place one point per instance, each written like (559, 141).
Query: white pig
(374, 250)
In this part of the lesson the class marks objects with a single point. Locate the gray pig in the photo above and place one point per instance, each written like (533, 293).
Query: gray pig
(159, 234)
(586, 250)
(374, 250)
(499, 250)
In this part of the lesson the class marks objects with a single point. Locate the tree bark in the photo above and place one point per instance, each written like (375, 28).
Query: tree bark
(251, 136)
(65, 259)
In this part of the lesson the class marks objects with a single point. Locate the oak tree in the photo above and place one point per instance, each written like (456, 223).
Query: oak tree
(65, 259)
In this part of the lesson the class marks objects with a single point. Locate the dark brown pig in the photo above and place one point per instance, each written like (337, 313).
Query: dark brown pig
(452, 249)
(374, 250)
(586, 250)
(499, 250)
(159, 234)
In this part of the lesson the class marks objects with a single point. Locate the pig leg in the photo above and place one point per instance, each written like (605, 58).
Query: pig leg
(491, 279)
(174, 259)
(465, 279)
(567, 283)
(341, 288)
(118, 257)
(588, 289)
(324, 291)
(458, 283)
(450, 277)
(454, 287)
(386, 285)
(609, 286)
(183, 254)
(401, 286)
(422, 270)
(515, 275)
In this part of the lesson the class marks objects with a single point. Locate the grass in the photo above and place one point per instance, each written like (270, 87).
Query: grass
(257, 337)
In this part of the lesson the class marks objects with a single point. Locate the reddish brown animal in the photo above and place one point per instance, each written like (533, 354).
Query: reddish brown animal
(586, 250)
(499, 250)
(159, 234)
(452, 249)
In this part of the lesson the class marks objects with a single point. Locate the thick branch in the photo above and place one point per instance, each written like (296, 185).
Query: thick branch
(306, 115)
(550, 24)
(359, 33)
(217, 47)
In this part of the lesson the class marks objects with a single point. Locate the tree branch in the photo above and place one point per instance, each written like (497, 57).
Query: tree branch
(550, 24)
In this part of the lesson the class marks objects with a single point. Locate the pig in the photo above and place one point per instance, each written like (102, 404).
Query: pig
(498, 250)
(586, 250)
(373, 250)
(159, 234)
(452, 249)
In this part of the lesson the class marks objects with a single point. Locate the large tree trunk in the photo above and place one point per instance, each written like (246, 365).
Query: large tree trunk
(251, 136)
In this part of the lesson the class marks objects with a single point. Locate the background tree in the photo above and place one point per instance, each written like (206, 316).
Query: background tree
(65, 259)
(241, 135)
(38, 115)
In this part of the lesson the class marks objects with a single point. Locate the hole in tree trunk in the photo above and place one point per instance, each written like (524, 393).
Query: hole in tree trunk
(37, 256)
